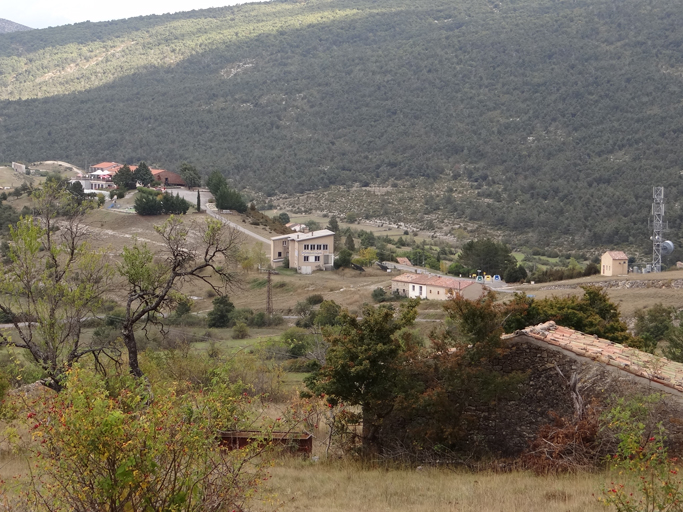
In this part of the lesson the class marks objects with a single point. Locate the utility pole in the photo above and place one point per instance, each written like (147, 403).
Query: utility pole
(269, 296)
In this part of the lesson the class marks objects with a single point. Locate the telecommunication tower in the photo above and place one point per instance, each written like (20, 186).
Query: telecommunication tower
(658, 228)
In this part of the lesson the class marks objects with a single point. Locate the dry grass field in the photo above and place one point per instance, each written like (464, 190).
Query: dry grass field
(10, 178)
(348, 487)
(643, 290)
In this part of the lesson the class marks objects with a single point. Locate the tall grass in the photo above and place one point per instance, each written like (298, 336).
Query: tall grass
(349, 486)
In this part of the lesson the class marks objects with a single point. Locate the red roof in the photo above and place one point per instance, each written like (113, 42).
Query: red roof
(404, 261)
(106, 165)
(617, 255)
(133, 168)
(657, 369)
(450, 283)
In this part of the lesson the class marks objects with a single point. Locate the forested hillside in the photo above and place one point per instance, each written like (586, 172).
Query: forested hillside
(560, 115)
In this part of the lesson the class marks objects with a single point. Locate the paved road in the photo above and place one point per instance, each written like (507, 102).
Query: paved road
(191, 195)
(204, 196)
(220, 217)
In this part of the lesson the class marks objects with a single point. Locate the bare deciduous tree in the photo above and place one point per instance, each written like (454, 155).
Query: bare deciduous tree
(152, 281)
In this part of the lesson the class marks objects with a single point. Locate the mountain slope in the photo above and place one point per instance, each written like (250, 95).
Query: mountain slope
(7, 26)
(558, 116)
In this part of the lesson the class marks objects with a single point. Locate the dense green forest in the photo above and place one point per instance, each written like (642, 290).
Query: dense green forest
(560, 115)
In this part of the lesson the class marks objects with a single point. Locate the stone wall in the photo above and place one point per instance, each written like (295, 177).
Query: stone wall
(507, 426)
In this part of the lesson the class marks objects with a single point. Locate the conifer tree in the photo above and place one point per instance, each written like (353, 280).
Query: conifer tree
(143, 175)
(350, 244)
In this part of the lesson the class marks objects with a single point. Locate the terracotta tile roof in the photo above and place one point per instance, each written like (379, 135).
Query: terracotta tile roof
(406, 278)
(404, 261)
(656, 369)
(431, 280)
(118, 167)
(617, 255)
(106, 165)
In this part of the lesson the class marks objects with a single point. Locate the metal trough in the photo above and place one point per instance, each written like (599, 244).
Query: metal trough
(296, 442)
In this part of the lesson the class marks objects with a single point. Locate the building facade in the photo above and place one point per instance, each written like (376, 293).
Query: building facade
(614, 263)
(432, 287)
(305, 251)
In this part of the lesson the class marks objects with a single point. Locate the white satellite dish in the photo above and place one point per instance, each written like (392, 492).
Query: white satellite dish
(667, 247)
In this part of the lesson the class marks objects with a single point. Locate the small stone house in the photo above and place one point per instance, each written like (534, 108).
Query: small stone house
(548, 355)
(432, 287)
(614, 263)
(306, 251)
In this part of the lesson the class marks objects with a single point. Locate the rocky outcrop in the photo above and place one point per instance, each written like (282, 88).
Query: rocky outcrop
(7, 26)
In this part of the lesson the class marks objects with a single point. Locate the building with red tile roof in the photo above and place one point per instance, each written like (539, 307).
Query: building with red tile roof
(105, 170)
(614, 263)
(404, 261)
(104, 166)
(435, 287)
(664, 374)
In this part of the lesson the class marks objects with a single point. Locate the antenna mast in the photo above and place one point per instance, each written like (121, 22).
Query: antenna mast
(657, 228)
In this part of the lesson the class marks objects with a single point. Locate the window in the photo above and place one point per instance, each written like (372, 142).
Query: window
(305, 258)
(284, 243)
(319, 247)
(305, 247)
(324, 247)
(279, 254)
(317, 258)
(413, 287)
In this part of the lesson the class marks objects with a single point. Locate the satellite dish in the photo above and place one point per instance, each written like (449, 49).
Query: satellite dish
(667, 247)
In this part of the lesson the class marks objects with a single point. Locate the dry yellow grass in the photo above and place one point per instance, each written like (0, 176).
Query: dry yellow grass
(299, 486)
(629, 300)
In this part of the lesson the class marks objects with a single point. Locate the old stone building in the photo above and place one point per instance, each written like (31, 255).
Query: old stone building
(548, 355)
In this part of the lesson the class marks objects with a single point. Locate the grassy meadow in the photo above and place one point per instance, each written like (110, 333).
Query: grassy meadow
(344, 486)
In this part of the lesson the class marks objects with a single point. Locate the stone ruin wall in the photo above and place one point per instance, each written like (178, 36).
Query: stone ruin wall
(509, 425)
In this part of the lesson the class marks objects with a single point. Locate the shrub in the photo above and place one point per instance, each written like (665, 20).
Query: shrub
(343, 259)
(300, 365)
(221, 314)
(297, 341)
(328, 313)
(515, 274)
(118, 451)
(380, 295)
(258, 320)
(147, 203)
(240, 331)
(243, 315)
(315, 299)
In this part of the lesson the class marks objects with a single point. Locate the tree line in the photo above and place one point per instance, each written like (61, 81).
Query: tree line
(550, 135)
